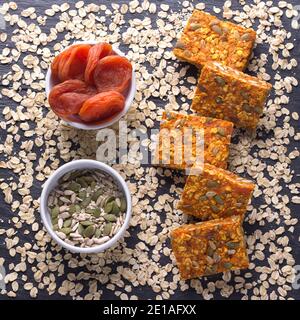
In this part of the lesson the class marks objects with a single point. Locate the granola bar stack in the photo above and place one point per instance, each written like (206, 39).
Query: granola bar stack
(225, 96)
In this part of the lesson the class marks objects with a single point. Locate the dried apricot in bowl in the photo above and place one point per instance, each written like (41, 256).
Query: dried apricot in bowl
(113, 73)
(68, 97)
(96, 53)
(71, 63)
(102, 106)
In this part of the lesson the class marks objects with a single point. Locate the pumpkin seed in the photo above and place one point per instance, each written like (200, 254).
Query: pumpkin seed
(258, 110)
(246, 107)
(75, 174)
(72, 208)
(221, 132)
(180, 45)
(210, 270)
(88, 179)
(246, 37)
(67, 223)
(98, 233)
(74, 186)
(97, 194)
(209, 120)
(220, 81)
(195, 26)
(214, 208)
(66, 231)
(202, 88)
(244, 94)
(227, 265)
(107, 229)
(82, 182)
(219, 200)
(55, 227)
(217, 29)
(232, 245)
(97, 213)
(115, 209)
(90, 211)
(64, 178)
(82, 194)
(89, 231)
(93, 185)
(110, 217)
(54, 212)
(86, 223)
(108, 207)
(123, 206)
(85, 202)
(202, 198)
(80, 229)
(212, 184)
(210, 251)
(219, 100)
(55, 221)
(109, 199)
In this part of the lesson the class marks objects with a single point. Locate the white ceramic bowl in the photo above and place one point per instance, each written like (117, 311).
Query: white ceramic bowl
(130, 96)
(52, 183)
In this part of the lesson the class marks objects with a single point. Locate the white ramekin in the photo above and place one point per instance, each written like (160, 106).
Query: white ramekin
(52, 182)
(118, 116)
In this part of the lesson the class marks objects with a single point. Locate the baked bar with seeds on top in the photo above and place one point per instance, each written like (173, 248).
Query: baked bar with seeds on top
(215, 145)
(215, 193)
(228, 94)
(206, 38)
(210, 247)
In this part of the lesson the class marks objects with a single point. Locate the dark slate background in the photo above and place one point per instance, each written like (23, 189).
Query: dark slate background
(144, 292)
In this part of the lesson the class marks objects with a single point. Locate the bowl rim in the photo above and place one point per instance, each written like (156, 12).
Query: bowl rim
(79, 165)
(128, 102)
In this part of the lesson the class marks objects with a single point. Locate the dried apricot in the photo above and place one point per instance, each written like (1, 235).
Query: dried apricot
(59, 61)
(102, 106)
(113, 73)
(71, 63)
(96, 53)
(75, 63)
(68, 97)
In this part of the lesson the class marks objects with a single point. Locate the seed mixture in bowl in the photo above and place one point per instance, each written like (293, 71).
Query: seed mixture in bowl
(87, 208)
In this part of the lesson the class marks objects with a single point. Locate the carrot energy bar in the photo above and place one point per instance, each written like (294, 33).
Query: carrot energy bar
(173, 141)
(225, 93)
(215, 193)
(209, 247)
(206, 38)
